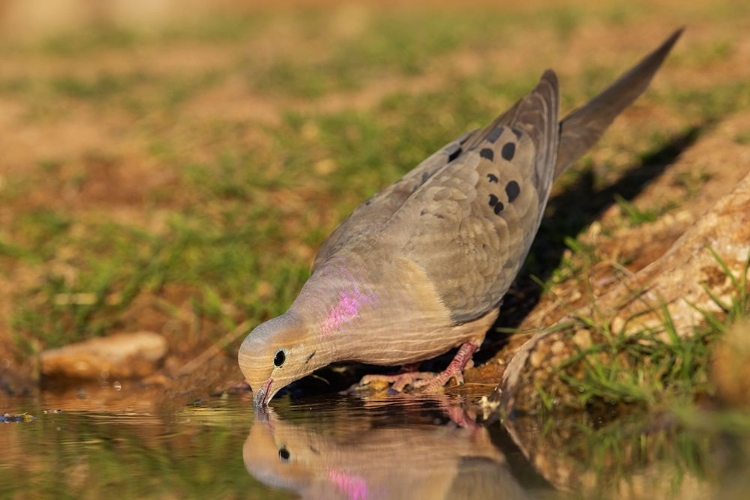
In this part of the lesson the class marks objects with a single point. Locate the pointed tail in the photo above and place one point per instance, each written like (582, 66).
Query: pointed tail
(584, 126)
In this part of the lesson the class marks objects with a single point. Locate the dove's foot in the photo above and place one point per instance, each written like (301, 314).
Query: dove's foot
(455, 370)
(400, 381)
(431, 382)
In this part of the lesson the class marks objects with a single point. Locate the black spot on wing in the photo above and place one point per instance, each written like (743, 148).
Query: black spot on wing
(495, 134)
(516, 132)
(452, 155)
(492, 178)
(496, 204)
(512, 190)
(487, 153)
(509, 151)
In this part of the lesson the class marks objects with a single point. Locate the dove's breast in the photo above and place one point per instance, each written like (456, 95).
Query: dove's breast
(382, 309)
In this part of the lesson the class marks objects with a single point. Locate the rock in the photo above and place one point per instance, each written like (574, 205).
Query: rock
(119, 356)
(685, 281)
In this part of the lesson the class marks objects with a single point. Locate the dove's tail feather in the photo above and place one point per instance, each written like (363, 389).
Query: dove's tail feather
(584, 126)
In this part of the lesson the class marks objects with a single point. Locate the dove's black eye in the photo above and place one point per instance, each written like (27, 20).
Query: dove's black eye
(284, 453)
(279, 358)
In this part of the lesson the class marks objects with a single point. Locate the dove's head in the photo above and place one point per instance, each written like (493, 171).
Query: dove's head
(276, 353)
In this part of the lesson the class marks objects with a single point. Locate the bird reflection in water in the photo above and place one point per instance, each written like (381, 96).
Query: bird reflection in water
(390, 451)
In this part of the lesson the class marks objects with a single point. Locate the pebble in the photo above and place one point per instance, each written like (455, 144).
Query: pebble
(118, 356)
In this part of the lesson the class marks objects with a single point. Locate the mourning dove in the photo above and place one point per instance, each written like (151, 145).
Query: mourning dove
(422, 266)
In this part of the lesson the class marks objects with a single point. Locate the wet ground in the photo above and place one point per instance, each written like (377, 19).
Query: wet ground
(352, 448)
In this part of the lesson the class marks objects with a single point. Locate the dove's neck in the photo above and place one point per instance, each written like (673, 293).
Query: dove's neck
(333, 303)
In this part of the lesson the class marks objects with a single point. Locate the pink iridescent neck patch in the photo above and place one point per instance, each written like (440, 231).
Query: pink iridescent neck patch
(346, 309)
(354, 487)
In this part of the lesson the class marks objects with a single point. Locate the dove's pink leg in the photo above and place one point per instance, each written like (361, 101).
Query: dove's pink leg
(432, 382)
(455, 369)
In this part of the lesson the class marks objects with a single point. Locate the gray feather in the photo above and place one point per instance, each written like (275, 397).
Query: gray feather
(463, 227)
(377, 210)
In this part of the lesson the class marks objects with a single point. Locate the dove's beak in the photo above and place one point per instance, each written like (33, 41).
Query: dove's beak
(263, 395)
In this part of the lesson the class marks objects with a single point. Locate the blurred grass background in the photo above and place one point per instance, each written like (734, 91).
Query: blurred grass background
(173, 166)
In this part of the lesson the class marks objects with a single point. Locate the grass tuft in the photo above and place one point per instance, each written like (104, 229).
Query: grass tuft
(654, 368)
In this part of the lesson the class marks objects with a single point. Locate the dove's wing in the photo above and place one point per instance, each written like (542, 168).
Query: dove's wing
(470, 225)
(468, 214)
(376, 211)
(583, 127)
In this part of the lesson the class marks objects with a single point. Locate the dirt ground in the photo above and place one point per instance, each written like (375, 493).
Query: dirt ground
(90, 154)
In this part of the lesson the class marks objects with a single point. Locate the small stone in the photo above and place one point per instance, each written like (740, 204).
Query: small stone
(617, 325)
(119, 356)
(582, 339)
(536, 359)
(557, 347)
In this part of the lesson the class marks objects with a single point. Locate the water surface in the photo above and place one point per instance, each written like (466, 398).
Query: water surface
(352, 448)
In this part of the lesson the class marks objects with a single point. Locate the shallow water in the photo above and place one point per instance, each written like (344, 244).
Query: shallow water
(353, 448)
